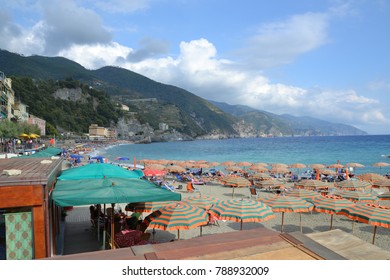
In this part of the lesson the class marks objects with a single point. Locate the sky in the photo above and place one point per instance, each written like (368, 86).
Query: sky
(327, 59)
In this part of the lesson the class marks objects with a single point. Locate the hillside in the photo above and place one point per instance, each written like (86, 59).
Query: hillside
(287, 124)
(151, 103)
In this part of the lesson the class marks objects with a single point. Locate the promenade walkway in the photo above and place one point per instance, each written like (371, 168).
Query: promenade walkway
(78, 235)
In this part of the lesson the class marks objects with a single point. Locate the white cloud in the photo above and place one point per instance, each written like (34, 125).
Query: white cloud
(97, 55)
(281, 42)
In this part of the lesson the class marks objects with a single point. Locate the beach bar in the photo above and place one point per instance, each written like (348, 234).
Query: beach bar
(27, 217)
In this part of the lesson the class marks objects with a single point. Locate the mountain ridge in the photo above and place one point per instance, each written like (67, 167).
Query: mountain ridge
(184, 112)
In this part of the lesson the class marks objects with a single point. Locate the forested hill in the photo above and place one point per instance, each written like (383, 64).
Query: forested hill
(37, 80)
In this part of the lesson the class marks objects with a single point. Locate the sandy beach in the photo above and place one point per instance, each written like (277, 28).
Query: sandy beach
(312, 221)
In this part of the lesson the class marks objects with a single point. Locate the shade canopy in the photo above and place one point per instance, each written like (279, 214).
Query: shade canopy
(99, 171)
(109, 190)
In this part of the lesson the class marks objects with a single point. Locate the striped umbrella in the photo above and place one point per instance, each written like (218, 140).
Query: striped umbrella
(356, 196)
(202, 201)
(234, 168)
(354, 165)
(257, 168)
(235, 182)
(381, 164)
(331, 205)
(304, 194)
(353, 185)
(384, 196)
(242, 210)
(312, 184)
(228, 163)
(175, 168)
(261, 176)
(317, 165)
(385, 183)
(177, 216)
(370, 214)
(284, 204)
(370, 177)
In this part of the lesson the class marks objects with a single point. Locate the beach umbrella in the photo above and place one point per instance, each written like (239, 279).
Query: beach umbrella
(307, 195)
(153, 172)
(271, 184)
(385, 183)
(175, 169)
(214, 163)
(317, 166)
(228, 163)
(298, 165)
(243, 164)
(155, 166)
(380, 165)
(384, 196)
(279, 170)
(122, 158)
(98, 158)
(236, 182)
(261, 176)
(312, 184)
(327, 171)
(370, 177)
(242, 210)
(353, 185)
(280, 203)
(177, 216)
(258, 168)
(234, 168)
(278, 165)
(335, 165)
(371, 214)
(331, 205)
(354, 165)
(98, 171)
(356, 196)
(202, 201)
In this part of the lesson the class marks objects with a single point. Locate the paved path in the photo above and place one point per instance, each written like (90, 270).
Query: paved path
(79, 236)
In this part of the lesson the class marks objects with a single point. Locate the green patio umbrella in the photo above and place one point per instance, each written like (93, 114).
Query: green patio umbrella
(99, 171)
(109, 190)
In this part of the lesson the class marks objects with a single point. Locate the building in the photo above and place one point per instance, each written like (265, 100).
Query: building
(20, 111)
(39, 122)
(101, 133)
(29, 221)
(7, 97)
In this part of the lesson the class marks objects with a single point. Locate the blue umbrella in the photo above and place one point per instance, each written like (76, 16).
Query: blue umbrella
(122, 158)
(78, 157)
(99, 158)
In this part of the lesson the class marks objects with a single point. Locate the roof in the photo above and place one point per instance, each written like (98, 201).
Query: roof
(34, 171)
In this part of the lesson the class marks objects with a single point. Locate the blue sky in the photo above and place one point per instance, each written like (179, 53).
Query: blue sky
(327, 59)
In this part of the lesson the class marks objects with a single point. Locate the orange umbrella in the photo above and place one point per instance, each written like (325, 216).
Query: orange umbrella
(283, 204)
(354, 165)
(380, 165)
(370, 214)
(202, 201)
(312, 184)
(235, 182)
(298, 165)
(228, 163)
(175, 168)
(242, 210)
(177, 216)
(371, 177)
(317, 165)
(353, 185)
(331, 205)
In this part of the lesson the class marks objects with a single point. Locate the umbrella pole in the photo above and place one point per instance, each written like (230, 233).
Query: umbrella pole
(154, 234)
(104, 227)
(353, 225)
(112, 226)
(331, 221)
(241, 225)
(373, 237)
(281, 227)
(178, 234)
(300, 220)
(201, 227)
(233, 191)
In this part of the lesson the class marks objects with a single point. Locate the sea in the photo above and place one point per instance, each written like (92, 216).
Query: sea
(366, 150)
